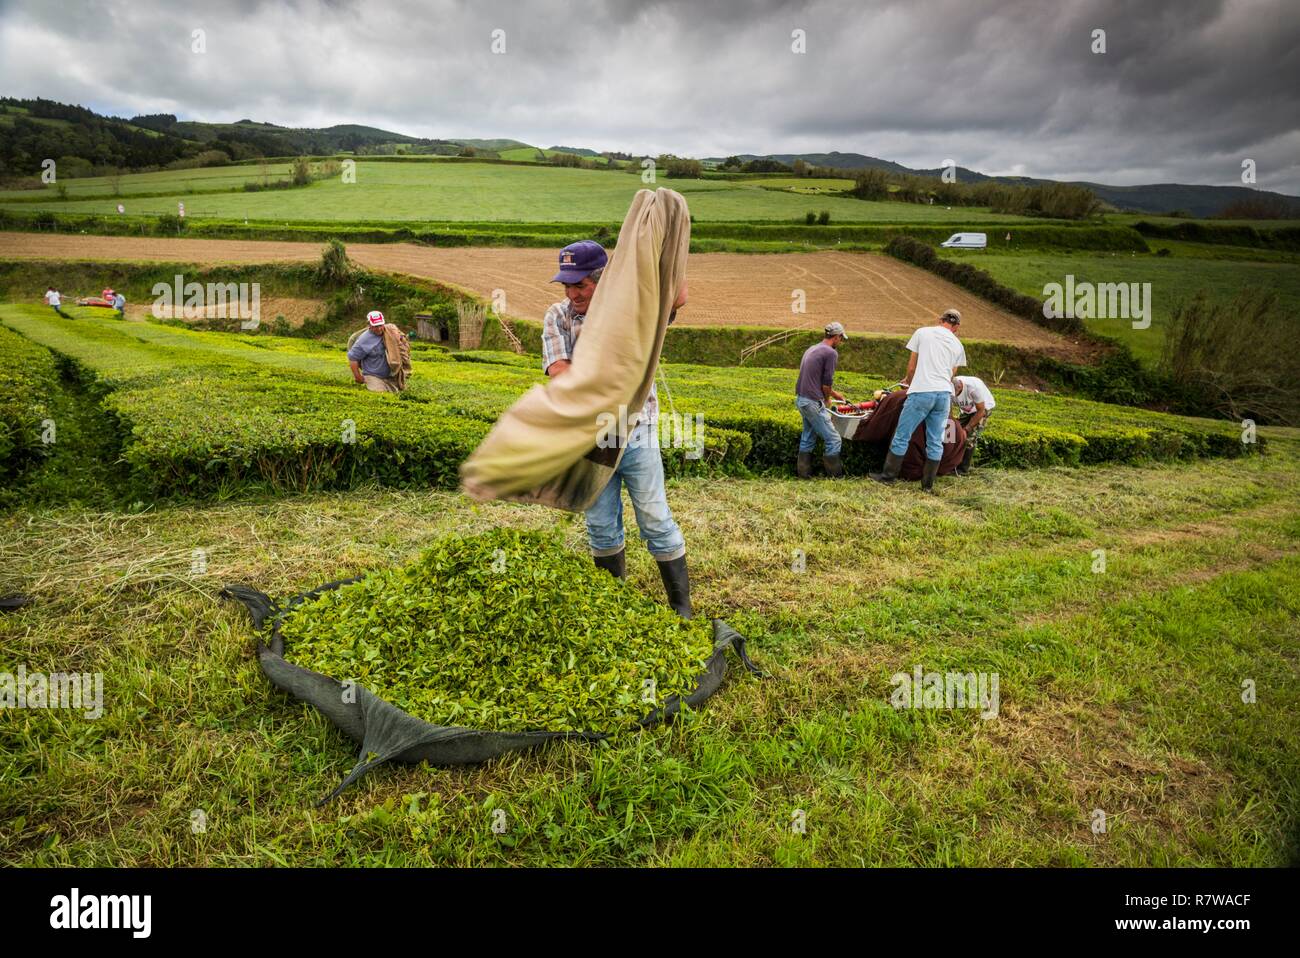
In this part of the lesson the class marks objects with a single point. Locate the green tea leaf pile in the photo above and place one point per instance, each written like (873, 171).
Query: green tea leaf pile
(505, 631)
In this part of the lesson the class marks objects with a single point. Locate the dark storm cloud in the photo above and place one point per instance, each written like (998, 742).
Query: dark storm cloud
(1185, 90)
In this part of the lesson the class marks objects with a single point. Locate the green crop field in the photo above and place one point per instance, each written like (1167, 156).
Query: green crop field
(1173, 279)
(1120, 686)
(283, 400)
(438, 190)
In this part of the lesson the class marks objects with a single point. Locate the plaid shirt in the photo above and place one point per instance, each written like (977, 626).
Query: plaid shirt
(560, 331)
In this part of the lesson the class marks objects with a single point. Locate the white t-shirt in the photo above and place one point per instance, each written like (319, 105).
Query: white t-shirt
(52, 298)
(971, 390)
(937, 352)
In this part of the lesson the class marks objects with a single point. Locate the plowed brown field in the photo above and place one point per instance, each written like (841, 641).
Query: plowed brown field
(867, 292)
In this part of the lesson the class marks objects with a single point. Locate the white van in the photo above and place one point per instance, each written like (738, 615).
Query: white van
(966, 241)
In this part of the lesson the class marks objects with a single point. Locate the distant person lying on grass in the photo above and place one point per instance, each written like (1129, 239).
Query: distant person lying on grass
(380, 356)
(54, 299)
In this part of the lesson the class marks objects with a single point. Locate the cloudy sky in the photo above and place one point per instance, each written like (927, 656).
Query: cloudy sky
(1184, 92)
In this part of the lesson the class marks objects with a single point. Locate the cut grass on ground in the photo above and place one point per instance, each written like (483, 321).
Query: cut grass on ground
(1120, 690)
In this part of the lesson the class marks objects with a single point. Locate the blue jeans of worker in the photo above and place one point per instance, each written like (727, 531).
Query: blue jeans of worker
(817, 425)
(934, 408)
(642, 470)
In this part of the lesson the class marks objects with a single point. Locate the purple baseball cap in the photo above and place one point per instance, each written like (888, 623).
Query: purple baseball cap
(579, 260)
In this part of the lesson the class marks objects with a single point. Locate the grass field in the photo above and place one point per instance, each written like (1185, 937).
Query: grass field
(1173, 279)
(1119, 691)
(1120, 687)
(436, 190)
(230, 178)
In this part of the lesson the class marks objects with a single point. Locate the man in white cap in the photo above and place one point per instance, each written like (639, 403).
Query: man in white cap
(368, 357)
(937, 354)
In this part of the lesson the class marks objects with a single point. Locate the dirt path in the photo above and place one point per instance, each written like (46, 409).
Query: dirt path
(864, 291)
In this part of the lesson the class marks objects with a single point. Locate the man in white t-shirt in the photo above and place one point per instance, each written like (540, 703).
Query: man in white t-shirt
(54, 300)
(936, 355)
(975, 400)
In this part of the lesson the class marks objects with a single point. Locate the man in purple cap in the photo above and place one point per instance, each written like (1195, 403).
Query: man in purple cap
(641, 469)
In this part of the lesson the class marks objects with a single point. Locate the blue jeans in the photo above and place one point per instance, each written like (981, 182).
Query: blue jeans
(934, 408)
(817, 424)
(642, 470)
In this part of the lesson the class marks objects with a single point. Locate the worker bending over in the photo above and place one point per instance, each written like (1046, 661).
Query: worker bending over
(975, 400)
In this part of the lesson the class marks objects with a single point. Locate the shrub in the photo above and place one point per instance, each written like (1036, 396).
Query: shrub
(1226, 355)
(1228, 234)
(723, 452)
(29, 378)
(335, 268)
(823, 218)
(202, 437)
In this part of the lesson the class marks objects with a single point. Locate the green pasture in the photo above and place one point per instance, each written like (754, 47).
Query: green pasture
(439, 190)
(1173, 279)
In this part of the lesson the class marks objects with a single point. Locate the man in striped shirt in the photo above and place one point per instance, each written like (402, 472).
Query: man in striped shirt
(641, 469)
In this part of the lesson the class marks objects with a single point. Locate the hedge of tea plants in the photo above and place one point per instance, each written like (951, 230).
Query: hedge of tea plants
(204, 413)
(29, 378)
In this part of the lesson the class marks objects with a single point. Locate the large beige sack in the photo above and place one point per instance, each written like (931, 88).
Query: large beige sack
(547, 447)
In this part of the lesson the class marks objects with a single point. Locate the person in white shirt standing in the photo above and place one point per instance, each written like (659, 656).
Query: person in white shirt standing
(975, 400)
(937, 353)
(54, 300)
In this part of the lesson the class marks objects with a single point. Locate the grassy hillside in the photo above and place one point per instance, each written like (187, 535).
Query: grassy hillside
(168, 182)
(438, 190)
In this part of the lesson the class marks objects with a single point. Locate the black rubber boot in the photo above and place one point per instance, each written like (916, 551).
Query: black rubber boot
(927, 475)
(678, 585)
(804, 465)
(893, 464)
(963, 468)
(834, 467)
(615, 565)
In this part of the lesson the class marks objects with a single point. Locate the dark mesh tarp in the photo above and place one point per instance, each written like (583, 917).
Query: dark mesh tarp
(386, 733)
